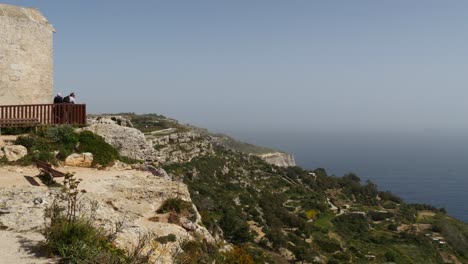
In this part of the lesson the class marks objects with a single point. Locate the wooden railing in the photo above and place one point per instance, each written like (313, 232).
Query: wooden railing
(42, 114)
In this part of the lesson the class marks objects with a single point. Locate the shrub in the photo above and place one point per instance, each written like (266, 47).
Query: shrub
(238, 255)
(311, 214)
(75, 239)
(456, 233)
(129, 160)
(176, 205)
(392, 227)
(167, 239)
(103, 153)
(173, 218)
(197, 251)
(26, 141)
(328, 245)
(63, 134)
(389, 196)
(235, 227)
(66, 141)
(342, 257)
(379, 216)
(15, 130)
(390, 256)
(353, 225)
(78, 240)
(43, 155)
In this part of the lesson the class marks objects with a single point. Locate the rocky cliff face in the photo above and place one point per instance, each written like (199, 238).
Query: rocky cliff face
(269, 155)
(160, 147)
(118, 132)
(279, 159)
(175, 144)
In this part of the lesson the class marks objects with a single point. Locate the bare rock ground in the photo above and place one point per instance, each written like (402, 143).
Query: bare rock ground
(19, 248)
(128, 196)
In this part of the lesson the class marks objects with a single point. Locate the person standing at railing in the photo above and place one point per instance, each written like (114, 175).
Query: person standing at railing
(57, 110)
(58, 99)
(69, 98)
(72, 98)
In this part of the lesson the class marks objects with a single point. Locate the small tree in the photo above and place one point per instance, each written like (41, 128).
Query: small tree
(70, 194)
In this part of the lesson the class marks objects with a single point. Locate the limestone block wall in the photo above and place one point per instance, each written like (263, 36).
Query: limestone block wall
(26, 65)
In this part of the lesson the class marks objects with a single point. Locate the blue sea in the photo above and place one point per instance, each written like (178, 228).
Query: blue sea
(426, 167)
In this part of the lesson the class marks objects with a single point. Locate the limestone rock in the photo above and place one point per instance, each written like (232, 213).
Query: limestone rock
(80, 160)
(287, 254)
(279, 159)
(179, 146)
(109, 120)
(160, 147)
(159, 172)
(118, 165)
(15, 152)
(129, 197)
(21, 210)
(128, 141)
(187, 224)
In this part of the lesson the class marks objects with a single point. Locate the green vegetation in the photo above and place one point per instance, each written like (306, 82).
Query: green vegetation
(54, 144)
(269, 214)
(280, 201)
(176, 205)
(167, 239)
(454, 231)
(197, 251)
(103, 153)
(232, 144)
(152, 122)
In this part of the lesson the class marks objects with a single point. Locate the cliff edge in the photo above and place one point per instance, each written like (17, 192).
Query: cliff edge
(279, 159)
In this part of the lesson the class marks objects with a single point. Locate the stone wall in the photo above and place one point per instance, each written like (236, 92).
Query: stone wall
(26, 66)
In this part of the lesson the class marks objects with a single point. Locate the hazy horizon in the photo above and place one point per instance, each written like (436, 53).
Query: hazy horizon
(344, 66)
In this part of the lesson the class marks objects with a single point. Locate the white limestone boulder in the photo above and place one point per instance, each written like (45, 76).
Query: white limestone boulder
(15, 152)
(80, 160)
(128, 141)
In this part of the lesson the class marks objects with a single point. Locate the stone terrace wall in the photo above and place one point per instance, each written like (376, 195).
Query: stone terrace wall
(26, 66)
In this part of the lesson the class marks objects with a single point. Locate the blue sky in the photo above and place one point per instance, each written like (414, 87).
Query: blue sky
(231, 66)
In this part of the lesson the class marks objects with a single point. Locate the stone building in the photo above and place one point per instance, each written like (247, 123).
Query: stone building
(26, 65)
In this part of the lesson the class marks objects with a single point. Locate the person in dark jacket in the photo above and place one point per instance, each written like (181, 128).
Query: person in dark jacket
(58, 99)
(57, 110)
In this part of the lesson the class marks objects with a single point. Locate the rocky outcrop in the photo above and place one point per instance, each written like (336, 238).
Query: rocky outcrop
(128, 141)
(172, 145)
(160, 147)
(179, 147)
(278, 158)
(80, 160)
(129, 197)
(109, 120)
(15, 152)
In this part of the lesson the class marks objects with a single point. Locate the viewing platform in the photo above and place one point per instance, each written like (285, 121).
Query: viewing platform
(42, 114)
